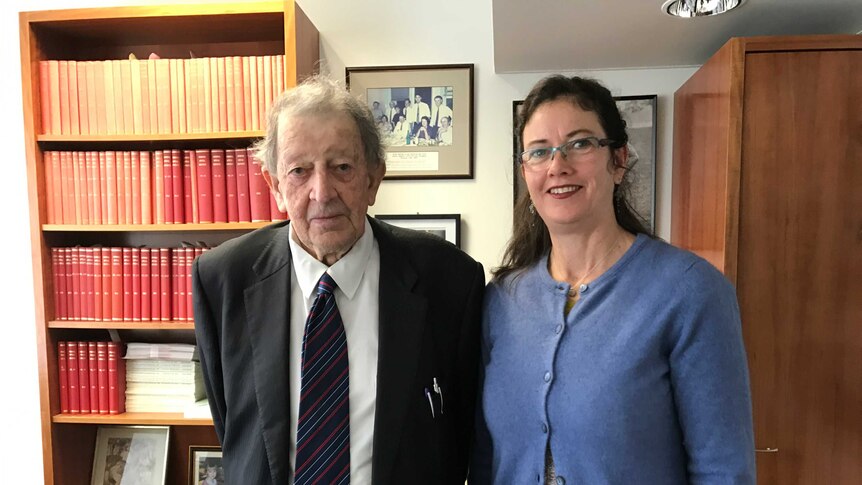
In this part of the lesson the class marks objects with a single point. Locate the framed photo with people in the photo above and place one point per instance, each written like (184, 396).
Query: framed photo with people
(640, 115)
(424, 115)
(205, 465)
(444, 226)
(130, 454)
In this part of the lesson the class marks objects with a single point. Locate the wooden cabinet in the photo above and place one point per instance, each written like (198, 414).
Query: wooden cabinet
(171, 31)
(767, 172)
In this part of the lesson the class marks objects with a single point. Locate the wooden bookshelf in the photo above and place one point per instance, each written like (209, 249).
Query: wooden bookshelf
(266, 28)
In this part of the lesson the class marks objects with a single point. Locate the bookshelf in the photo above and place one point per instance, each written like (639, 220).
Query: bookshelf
(242, 29)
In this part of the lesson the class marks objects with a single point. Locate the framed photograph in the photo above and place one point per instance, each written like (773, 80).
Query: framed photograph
(130, 455)
(205, 467)
(639, 112)
(425, 117)
(445, 226)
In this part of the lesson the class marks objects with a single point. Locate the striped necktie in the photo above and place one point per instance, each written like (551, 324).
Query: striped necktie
(323, 427)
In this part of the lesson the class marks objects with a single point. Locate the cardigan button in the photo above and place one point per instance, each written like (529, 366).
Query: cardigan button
(547, 377)
(558, 329)
(544, 428)
(561, 481)
(583, 288)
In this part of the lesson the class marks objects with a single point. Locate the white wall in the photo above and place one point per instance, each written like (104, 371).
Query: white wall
(371, 32)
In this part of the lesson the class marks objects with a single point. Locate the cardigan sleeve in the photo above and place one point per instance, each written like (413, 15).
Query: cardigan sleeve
(709, 375)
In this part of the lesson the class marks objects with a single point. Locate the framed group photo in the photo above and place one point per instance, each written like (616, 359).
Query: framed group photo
(424, 115)
(639, 113)
(444, 226)
(130, 455)
(205, 465)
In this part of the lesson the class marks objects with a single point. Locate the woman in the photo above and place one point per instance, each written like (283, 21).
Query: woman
(422, 133)
(609, 357)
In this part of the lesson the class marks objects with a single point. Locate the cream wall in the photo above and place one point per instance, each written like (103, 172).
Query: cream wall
(372, 32)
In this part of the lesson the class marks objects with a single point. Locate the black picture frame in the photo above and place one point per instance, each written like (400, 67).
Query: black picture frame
(641, 116)
(202, 460)
(448, 224)
(414, 153)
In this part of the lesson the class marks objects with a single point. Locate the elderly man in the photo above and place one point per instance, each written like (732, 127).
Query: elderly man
(337, 348)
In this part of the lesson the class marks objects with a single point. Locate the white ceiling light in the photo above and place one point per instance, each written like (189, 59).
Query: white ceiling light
(698, 8)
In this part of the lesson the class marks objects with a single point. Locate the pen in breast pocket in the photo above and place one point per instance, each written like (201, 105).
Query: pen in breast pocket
(430, 401)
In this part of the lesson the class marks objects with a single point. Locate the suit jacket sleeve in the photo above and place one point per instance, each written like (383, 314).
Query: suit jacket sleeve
(207, 334)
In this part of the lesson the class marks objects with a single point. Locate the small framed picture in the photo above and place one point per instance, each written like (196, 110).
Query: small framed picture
(130, 454)
(205, 467)
(424, 115)
(640, 115)
(445, 226)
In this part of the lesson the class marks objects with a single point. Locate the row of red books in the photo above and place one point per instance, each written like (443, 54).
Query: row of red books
(92, 377)
(151, 96)
(160, 187)
(123, 284)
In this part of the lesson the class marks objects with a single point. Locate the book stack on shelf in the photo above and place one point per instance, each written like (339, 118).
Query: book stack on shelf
(92, 377)
(169, 186)
(123, 284)
(152, 96)
(162, 378)
(138, 123)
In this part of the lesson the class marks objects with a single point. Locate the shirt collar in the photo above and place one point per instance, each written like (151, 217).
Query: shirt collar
(347, 271)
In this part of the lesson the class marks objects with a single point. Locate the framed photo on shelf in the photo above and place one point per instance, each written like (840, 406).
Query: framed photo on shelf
(639, 113)
(424, 115)
(205, 466)
(445, 226)
(126, 454)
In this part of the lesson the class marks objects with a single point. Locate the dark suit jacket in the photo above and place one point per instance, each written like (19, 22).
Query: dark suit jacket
(430, 306)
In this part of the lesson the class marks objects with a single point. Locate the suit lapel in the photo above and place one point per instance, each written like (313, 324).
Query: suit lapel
(402, 323)
(267, 304)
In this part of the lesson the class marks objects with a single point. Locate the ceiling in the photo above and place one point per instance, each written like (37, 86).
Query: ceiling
(560, 35)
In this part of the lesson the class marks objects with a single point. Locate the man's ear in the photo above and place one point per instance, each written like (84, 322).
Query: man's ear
(272, 183)
(375, 177)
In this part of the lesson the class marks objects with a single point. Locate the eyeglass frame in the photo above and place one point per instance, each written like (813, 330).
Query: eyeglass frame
(601, 142)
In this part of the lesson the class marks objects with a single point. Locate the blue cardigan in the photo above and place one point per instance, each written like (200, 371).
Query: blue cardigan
(645, 381)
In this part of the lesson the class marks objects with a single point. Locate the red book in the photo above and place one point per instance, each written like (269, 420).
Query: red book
(230, 184)
(81, 84)
(165, 283)
(145, 285)
(146, 189)
(102, 188)
(98, 280)
(76, 284)
(116, 379)
(67, 173)
(127, 284)
(45, 97)
(155, 286)
(93, 367)
(102, 376)
(159, 188)
(136, 284)
(50, 179)
(58, 265)
(78, 176)
(110, 192)
(84, 377)
(187, 185)
(70, 283)
(177, 182)
(74, 120)
(135, 175)
(72, 372)
(121, 187)
(128, 193)
(65, 121)
(190, 170)
(63, 363)
(91, 161)
(168, 189)
(219, 187)
(116, 284)
(187, 279)
(89, 284)
(258, 190)
(56, 185)
(242, 188)
(107, 280)
(178, 296)
(205, 205)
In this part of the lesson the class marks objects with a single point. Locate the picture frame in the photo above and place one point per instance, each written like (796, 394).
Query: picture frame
(122, 452)
(205, 465)
(446, 226)
(439, 147)
(640, 115)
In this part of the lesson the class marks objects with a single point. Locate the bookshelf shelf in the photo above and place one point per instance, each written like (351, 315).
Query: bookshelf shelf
(153, 419)
(229, 226)
(111, 325)
(80, 43)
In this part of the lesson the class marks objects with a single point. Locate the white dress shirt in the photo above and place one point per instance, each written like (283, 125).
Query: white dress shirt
(422, 109)
(438, 112)
(357, 275)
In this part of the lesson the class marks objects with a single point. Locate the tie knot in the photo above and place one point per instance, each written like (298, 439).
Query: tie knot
(326, 285)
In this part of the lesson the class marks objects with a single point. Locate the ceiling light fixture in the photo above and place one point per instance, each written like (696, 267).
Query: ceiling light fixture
(698, 8)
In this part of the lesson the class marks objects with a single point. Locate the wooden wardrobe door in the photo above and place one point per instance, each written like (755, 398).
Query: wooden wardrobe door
(800, 263)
